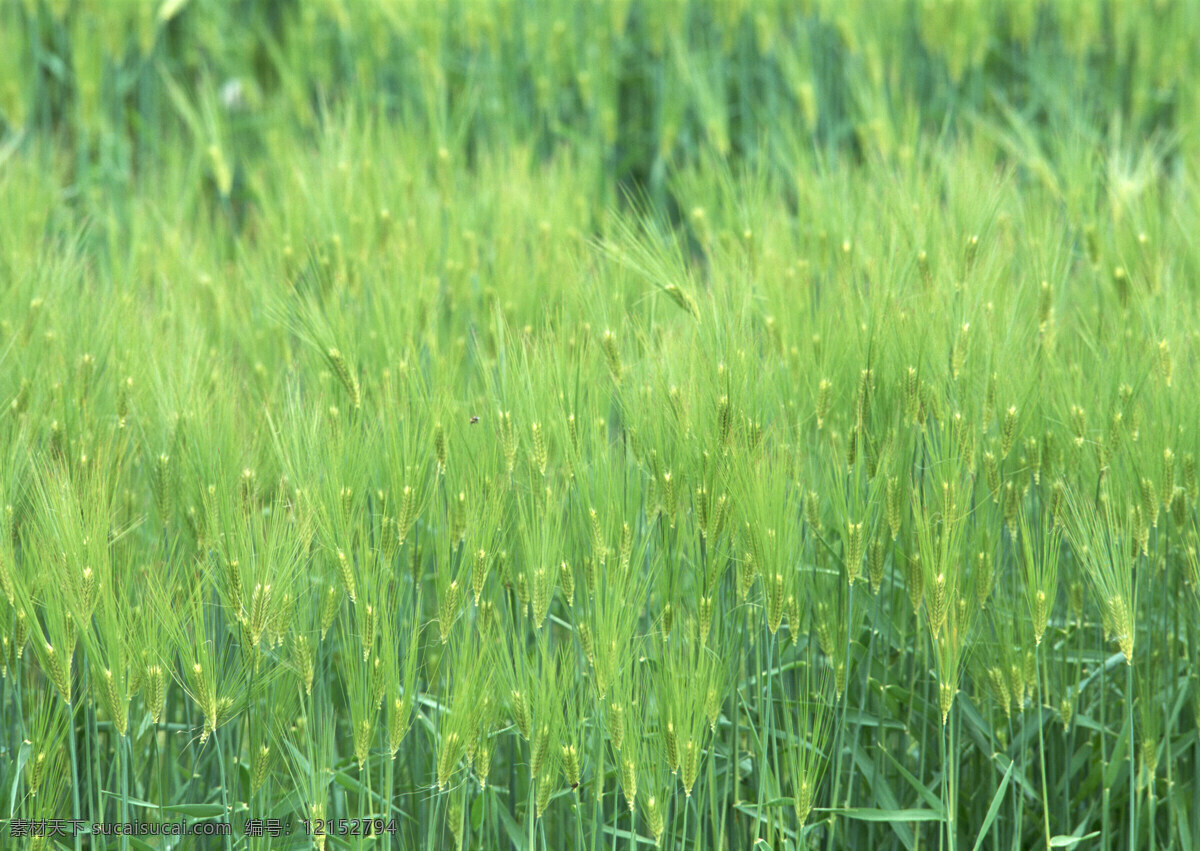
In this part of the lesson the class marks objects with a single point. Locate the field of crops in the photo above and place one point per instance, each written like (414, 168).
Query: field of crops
(565, 424)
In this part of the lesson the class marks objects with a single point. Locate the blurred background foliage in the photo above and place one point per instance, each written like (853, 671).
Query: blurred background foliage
(635, 88)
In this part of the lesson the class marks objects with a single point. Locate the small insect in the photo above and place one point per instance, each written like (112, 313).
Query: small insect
(474, 420)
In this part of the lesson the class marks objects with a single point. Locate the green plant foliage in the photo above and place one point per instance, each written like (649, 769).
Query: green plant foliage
(544, 424)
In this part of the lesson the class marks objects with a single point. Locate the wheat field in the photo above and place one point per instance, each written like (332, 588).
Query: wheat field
(600, 424)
